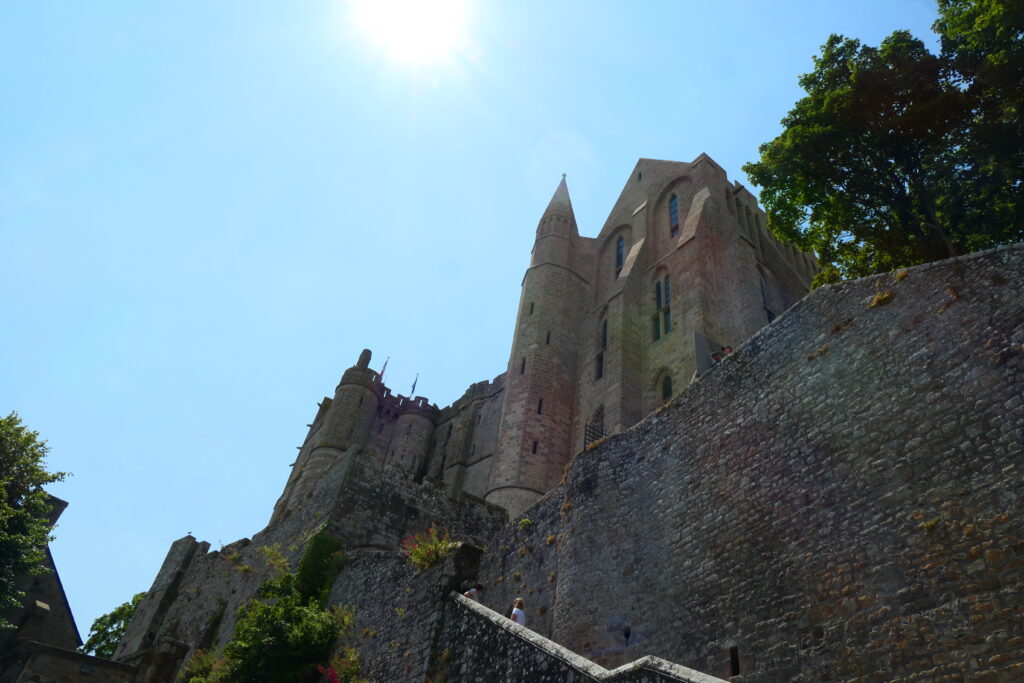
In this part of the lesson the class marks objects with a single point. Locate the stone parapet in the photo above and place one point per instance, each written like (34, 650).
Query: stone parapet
(483, 645)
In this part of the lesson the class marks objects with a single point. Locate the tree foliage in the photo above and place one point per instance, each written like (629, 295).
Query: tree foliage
(24, 506)
(897, 156)
(106, 631)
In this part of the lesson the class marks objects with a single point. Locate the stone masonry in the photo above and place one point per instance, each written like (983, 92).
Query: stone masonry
(838, 500)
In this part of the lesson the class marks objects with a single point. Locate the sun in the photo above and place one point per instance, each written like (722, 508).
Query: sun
(413, 32)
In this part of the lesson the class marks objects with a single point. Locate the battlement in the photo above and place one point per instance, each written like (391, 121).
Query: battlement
(476, 392)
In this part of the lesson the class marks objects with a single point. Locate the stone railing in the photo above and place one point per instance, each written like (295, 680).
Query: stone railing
(480, 644)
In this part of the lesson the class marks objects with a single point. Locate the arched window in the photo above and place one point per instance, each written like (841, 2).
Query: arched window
(666, 387)
(673, 216)
(620, 254)
(661, 321)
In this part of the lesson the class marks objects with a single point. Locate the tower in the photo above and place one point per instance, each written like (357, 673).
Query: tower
(535, 436)
(341, 422)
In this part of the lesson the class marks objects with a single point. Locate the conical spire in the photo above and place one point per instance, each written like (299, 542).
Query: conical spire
(560, 202)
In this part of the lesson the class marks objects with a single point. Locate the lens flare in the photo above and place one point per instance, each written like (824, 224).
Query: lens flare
(411, 32)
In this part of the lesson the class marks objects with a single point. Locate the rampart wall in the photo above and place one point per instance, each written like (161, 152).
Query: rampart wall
(839, 500)
(367, 505)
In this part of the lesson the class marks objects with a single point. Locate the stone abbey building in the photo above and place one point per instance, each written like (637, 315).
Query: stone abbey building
(839, 499)
(608, 329)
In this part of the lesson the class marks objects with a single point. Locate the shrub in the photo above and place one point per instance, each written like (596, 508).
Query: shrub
(321, 562)
(206, 666)
(525, 523)
(286, 632)
(427, 548)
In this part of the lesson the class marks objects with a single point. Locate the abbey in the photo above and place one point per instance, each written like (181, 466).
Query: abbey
(608, 329)
(839, 499)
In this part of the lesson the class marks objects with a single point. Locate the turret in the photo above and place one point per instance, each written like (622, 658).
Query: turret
(535, 436)
(344, 421)
(350, 418)
(411, 436)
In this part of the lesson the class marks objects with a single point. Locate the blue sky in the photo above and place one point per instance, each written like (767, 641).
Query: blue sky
(208, 209)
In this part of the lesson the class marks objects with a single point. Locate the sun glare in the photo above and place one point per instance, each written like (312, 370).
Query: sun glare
(412, 32)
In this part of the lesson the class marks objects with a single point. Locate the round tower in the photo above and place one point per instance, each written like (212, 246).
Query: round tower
(346, 421)
(350, 418)
(535, 435)
(411, 437)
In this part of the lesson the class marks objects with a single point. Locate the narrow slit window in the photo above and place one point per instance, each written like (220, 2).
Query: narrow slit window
(661, 321)
(604, 334)
(673, 216)
(599, 366)
(540, 406)
(534, 446)
(548, 339)
(734, 661)
(666, 388)
(620, 254)
(522, 366)
(531, 308)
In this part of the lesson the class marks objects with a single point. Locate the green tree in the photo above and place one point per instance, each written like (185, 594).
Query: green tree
(897, 156)
(106, 631)
(24, 507)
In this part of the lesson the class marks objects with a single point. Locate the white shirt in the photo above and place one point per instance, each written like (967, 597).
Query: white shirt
(519, 616)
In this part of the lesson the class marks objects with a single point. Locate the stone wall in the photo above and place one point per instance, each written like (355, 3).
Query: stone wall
(477, 644)
(839, 500)
(365, 504)
(466, 438)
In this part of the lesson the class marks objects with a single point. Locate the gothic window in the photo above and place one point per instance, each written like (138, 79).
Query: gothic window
(620, 254)
(673, 216)
(666, 387)
(661, 321)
